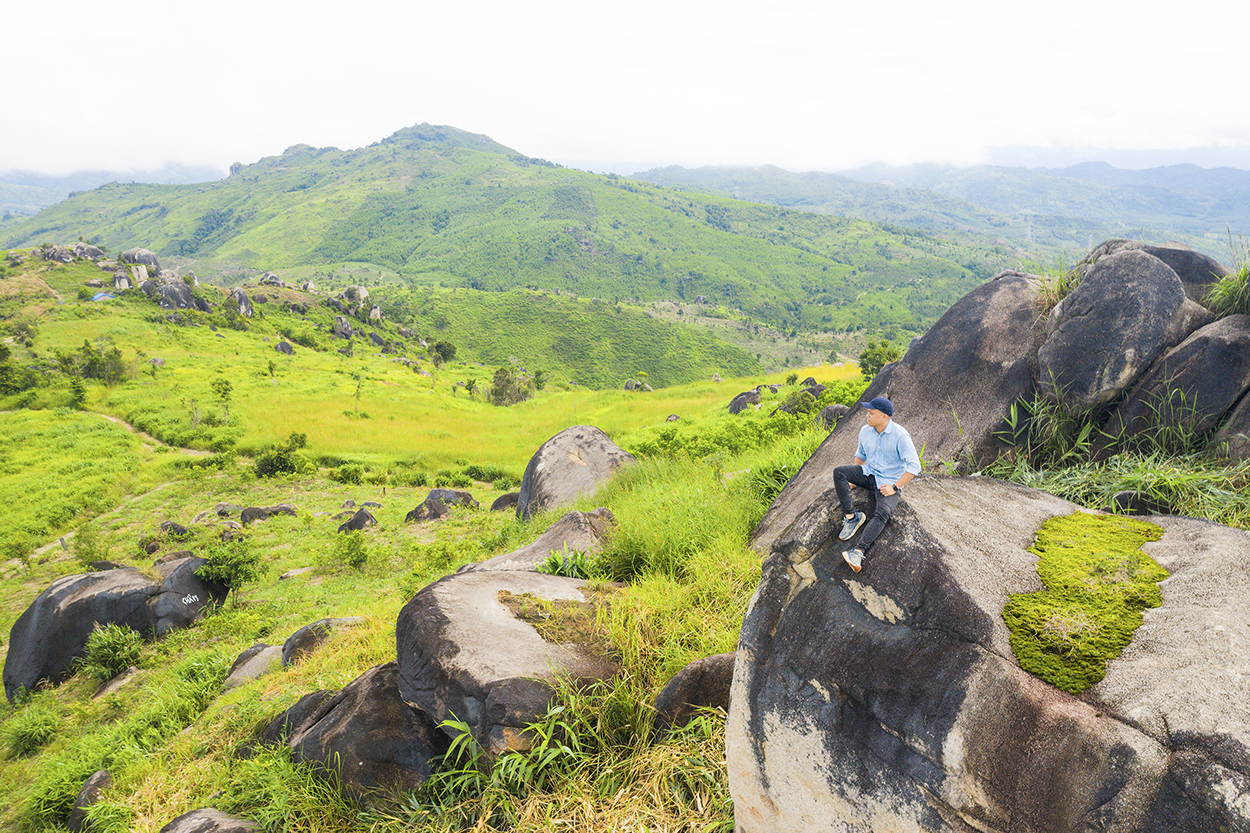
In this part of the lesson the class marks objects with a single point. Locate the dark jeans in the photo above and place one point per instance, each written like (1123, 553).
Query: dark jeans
(843, 477)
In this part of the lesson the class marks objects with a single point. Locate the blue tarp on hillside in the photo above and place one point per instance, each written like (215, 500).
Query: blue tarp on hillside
(102, 296)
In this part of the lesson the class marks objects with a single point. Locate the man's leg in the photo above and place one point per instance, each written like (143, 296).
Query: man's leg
(885, 508)
(843, 477)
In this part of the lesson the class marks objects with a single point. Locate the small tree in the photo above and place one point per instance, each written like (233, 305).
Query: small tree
(877, 355)
(222, 390)
(233, 563)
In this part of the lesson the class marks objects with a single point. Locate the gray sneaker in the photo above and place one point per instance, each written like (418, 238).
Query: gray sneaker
(855, 558)
(850, 526)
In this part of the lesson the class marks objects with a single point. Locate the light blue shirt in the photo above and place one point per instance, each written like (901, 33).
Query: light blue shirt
(888, 454)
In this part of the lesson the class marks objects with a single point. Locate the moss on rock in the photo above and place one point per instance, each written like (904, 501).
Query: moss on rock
(1098, 582)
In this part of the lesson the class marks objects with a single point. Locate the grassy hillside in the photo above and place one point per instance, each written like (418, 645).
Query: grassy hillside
(437, 206)
(376, 430)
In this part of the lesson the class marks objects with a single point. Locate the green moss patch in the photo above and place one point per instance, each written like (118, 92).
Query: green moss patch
(563, 622)
(1098, 582)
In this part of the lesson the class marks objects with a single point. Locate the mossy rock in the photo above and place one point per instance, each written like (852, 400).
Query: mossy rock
(1098, 582)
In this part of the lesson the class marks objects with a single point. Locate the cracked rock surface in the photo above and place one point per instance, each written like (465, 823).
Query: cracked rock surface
(891, 700)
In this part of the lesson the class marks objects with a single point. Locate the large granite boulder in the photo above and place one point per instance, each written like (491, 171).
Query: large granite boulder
(47, 638)
(1195, 270)
(573, 463)
(254, 663)
(464, 655)
(311, 636)
(366, 736)
(1190, 388)
(892, 700)
(1129, 309)
(140, 256)
(576, 531)
(245, 304)
(745, 400)
(174, 296)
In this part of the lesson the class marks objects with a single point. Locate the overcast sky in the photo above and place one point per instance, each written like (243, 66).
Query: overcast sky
(131, 84)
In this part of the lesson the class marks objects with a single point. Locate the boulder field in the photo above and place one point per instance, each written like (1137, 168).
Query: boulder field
(891, 700)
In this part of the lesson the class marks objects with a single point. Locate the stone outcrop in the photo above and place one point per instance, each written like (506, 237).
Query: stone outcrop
(704, 683)
(372, 741)
(463, 655)
(47, 638)
(310, 637)
(580, 531)
(99, 781)
(1128, 310)
(573, 463)
(892, 700)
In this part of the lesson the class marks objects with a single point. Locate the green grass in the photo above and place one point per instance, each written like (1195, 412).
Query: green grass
(1098, 582)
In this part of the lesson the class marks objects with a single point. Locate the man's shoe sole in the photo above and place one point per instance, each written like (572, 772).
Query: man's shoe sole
(845, 557)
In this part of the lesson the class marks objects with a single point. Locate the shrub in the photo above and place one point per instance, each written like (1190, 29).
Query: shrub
(88, 546)
(283, 458)
(352, 473)
(351, 549)
(233, 563)
(110, 650)
(1231, 294)
(31, 729)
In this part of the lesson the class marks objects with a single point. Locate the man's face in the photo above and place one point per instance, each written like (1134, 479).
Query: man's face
(877, 419)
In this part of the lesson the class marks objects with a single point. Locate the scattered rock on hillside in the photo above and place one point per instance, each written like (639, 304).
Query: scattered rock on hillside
(255, 662)
(430, 509)
(575, 532)
(1189, 389)
(671, 418)
(891, 699)
(97, 783)
(245, 304)
(47, 638)
(744, 400)
(376, 741)
(505, 502)
(285, 348)
(362, 519)
(1128, 310)
(572, 463)
(53, 631)
(464, 655)
(140, 256)
(703, 683)
(310, 637)
(86, 251)
(209, 820)
(830, 414)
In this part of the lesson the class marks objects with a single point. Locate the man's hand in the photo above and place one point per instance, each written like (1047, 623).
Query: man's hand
(888, 489)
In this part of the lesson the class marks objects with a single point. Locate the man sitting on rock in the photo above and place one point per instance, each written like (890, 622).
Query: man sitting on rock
(885, 462)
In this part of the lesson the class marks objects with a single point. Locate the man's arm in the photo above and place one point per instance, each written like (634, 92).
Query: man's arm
(888, 490)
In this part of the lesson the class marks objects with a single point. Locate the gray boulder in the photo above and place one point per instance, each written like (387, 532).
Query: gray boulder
(464, 655)
(60, 254)
(209, 820)
(121, 281)
(1129, 309)
(342, 327)
(573, 463)
(285, 348)
(454, 497)
(831, 414)
(430, 509)
(704, 683)
(892, 700)
(47, 638)
(182, 597)
(86, 251)
(371, 741)
(581, 531)
(362, 519)
(245, 303)
(88, 795)
(744, 400)
(1190, 388)
(140, 256)
(310, 637)
(504, 502)
(252, 664)
(1195, 270)
(176, 296)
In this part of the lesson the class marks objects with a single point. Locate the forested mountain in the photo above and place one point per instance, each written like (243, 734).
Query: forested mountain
(434, 205)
